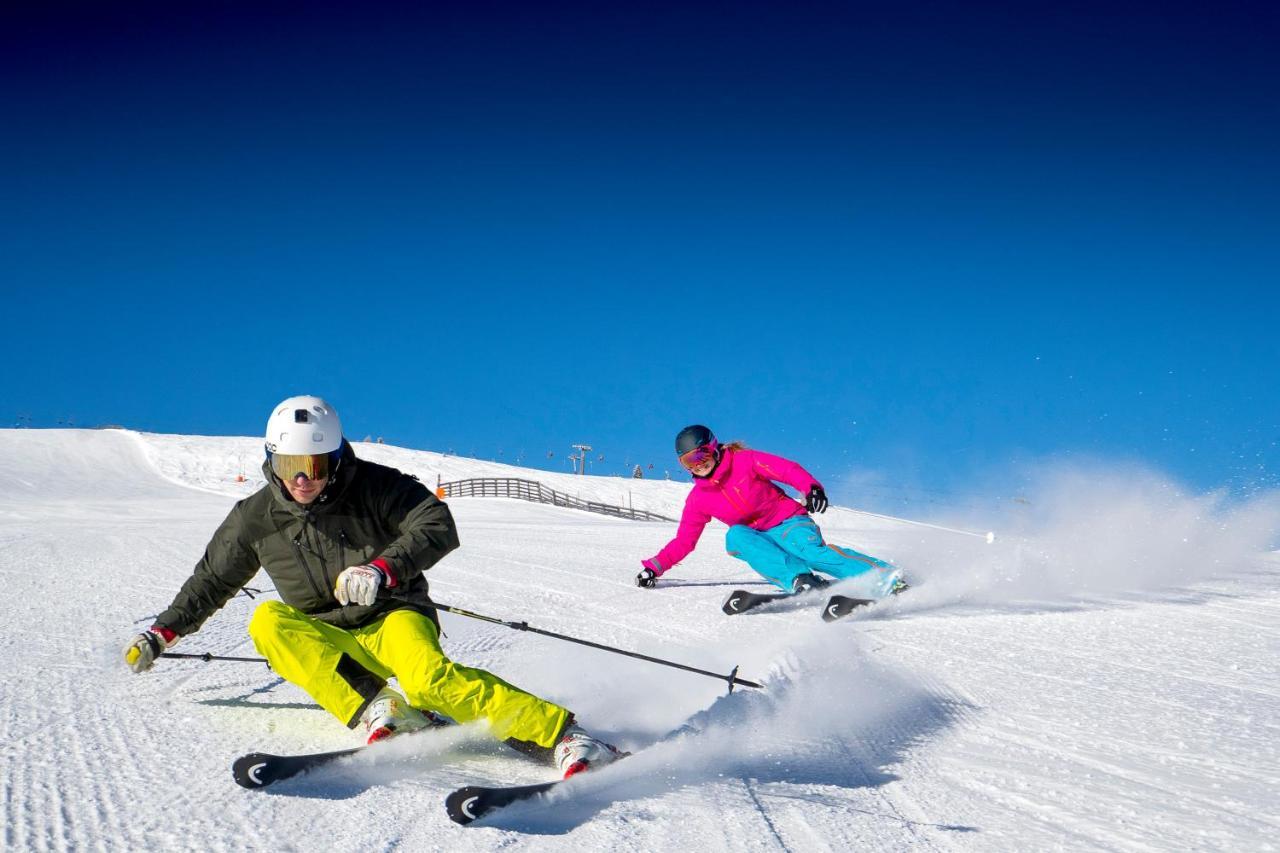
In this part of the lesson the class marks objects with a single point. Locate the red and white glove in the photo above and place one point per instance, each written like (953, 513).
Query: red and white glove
(359, 585)
(141, 652)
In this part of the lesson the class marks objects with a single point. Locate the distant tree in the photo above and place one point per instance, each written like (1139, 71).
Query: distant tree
(638, 473)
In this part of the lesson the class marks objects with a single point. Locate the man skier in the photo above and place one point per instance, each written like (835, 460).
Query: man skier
(346, 543)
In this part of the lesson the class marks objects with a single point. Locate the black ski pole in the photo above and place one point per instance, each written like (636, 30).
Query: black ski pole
(732, 677)
(206, 656)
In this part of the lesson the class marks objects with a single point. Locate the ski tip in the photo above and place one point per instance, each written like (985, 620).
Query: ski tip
(464, 805)
(473, 802)
(840, 606)
(736, 602)
(253, 770)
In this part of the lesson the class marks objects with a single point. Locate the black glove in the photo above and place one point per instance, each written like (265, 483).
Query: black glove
(816, 500)
(647, 578)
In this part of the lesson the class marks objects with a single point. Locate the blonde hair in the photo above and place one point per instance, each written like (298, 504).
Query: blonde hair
(734, 445)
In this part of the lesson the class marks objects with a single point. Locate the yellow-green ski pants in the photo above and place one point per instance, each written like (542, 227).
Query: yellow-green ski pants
(321, 659)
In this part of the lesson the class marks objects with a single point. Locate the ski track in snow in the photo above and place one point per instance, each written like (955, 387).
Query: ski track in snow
(978, 712)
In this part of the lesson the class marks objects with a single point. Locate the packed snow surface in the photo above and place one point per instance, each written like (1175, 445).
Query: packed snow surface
(1103, 677)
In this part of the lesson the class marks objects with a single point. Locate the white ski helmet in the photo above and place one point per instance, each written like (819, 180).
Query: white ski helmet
(302, 426)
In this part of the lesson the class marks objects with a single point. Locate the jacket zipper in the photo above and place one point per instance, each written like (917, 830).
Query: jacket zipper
(318, 550)
(319, 589)
(306, 568)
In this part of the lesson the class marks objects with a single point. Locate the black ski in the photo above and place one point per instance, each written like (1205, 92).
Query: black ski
(475, 801)
(837, 606)
(840, 606)
(260, 769)
(740, 601)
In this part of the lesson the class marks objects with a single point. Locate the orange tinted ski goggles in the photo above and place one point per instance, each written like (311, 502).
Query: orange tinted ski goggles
(313, 466)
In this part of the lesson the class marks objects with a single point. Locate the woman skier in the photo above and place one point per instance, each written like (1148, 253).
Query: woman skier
(773, 533)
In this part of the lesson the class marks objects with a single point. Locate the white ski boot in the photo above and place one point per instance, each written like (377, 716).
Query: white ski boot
(391, 714)
(578, 751)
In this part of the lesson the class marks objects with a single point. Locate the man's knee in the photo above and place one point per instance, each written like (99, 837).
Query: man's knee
(411, 627)
(412, 644)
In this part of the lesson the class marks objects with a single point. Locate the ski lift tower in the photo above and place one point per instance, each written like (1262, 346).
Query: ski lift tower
(581, 459)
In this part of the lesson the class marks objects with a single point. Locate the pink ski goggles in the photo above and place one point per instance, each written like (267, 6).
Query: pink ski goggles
(699, 455)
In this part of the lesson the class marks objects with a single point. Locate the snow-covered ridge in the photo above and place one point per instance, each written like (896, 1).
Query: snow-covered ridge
(218, 463)
(233, 466)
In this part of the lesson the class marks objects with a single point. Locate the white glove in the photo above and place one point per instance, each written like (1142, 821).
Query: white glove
(142, 651)
(359, 585)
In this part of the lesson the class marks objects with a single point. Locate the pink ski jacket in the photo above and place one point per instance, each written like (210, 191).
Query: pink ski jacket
(740, 491)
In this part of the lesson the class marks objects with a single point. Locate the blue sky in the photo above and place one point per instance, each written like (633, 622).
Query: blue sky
(917, 247)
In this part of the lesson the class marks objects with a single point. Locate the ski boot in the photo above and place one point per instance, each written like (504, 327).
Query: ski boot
(391, 714)
(578, 751)
(890, 583)
(808, 582)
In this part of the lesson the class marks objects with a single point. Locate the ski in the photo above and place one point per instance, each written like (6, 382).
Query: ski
(260, 769)
(837, 606)
(840, 606)
(475, 801)
(740, 600)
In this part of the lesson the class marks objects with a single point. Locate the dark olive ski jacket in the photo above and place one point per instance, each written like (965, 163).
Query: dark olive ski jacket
(367, 511)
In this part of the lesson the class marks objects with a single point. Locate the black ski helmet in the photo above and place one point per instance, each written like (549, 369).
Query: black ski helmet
(693, 437)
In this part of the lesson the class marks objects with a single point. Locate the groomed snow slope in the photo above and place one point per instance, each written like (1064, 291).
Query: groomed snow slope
(1109, 682)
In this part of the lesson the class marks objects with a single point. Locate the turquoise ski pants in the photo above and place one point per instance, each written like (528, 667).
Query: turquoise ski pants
(795, 547)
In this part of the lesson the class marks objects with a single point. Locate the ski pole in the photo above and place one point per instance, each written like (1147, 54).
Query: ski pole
(206, 657)
(732, 677)
(990, 535)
